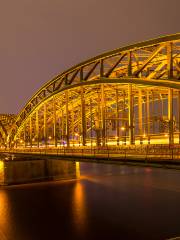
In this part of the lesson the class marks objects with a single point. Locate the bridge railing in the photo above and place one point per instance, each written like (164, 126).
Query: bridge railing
(144, 152)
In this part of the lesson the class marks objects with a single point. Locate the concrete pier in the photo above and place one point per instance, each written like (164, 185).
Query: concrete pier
(23, 171)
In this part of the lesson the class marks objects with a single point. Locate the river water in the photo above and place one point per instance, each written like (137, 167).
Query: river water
(106, 202)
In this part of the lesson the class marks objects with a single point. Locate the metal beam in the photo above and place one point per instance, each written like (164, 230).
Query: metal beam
(103, 125)
(131, 114)
(83, 117)
(37, 127)
(54, 123)
(67, 117)
(148, 115)
(115, 65)
(140, 115)
(148, 60)
(45, 124)
(117, 116)
(170, 115)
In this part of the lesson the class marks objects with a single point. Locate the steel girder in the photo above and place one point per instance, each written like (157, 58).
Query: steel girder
(152, 63)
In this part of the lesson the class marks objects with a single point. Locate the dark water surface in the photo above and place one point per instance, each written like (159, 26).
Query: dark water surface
(106, 202)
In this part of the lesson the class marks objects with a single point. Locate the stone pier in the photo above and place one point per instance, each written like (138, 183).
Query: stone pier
(23, 171)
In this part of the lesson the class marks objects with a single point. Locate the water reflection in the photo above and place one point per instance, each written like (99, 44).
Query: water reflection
(106, 202)
(4, 214)
(78, 173)
(79, 208)
(1, 172)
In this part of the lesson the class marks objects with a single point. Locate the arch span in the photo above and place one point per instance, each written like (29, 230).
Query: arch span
(125, 96)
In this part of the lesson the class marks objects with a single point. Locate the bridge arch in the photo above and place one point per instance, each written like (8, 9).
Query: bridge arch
(127, 96)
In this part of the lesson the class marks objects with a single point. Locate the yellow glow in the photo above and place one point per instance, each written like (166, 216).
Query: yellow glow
(4, 219)
(122, 128)
(50, 137)
(79, 207)
(78, 170)
(1, 172)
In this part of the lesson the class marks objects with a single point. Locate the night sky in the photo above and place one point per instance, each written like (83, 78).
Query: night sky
(41, 38)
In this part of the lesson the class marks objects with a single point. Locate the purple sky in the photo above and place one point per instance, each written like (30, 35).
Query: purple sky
(41, 38)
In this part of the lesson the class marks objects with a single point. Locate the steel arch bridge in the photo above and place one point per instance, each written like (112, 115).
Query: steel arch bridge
(130, 95)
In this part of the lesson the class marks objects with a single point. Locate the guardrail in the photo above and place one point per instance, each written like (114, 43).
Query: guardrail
(144, 152)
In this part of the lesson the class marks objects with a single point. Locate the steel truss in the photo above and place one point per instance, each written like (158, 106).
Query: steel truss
(127, 96)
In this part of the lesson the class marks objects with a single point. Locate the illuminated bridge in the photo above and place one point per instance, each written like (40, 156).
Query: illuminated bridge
(128, 96)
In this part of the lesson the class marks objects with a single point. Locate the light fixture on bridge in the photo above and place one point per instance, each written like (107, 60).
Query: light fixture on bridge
(50, 137)
(123, 128)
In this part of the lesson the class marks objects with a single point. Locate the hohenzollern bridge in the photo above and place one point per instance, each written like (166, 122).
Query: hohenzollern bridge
(128, 96)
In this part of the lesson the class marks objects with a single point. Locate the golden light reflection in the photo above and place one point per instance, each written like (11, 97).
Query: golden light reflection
(4, 214)
(1, 172)
(79, 207)
(78, 173)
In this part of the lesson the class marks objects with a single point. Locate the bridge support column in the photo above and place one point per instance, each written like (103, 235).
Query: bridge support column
(103, 125)
(83, 117)
(54, 123)
(153, 112)
(73, 120)
(117, 116)
(140, 116)
(170, 115)
(30, 131)
(124, 119)
(179, 113)
(130, 113)
(62, 126)
(170, 93)
(148, 117)
(24, 135)
(45, 125)
(37, 127)
(91, 119)
(67, 117)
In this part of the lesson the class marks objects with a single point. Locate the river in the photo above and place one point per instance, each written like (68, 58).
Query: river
(106, 202)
